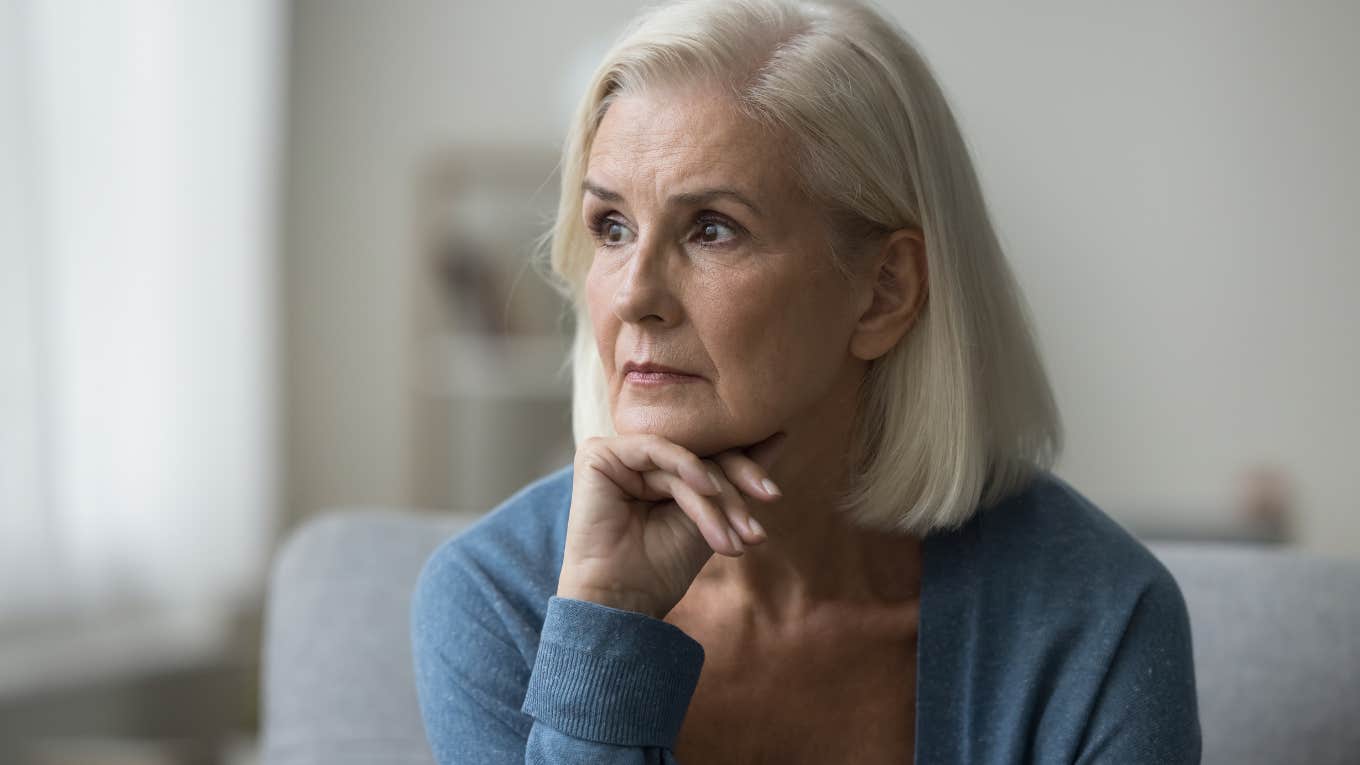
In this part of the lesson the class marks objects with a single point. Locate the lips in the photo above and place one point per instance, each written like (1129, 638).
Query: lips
(651, 367)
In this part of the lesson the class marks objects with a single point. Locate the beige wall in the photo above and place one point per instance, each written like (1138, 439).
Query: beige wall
(377, 88)
(1175, 184)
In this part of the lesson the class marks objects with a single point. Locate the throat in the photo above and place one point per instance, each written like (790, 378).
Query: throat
(837, 687)
(863, 575)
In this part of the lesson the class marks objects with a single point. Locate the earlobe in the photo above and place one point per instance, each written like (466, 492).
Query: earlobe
(895, 296)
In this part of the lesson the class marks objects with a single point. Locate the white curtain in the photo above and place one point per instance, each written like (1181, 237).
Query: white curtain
(138, 455)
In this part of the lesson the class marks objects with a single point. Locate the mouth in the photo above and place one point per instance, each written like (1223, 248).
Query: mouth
(647, 373)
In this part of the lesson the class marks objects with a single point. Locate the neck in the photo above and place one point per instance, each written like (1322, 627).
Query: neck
(812, 555)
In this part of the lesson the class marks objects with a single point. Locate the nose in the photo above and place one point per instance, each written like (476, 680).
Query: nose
(644, 290)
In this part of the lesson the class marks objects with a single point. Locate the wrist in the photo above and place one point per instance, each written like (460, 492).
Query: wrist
(624, 600)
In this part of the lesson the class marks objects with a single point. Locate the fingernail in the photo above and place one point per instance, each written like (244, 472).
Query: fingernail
(769, 487)
(756, 527)
(712, 476)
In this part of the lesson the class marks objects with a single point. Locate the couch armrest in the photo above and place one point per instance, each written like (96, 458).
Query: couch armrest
(338, 683)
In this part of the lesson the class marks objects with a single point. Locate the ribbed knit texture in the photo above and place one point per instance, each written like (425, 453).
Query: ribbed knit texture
(1048, 634)
(605, 675)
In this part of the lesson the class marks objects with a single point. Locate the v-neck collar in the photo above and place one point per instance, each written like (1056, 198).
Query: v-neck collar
(948, 603)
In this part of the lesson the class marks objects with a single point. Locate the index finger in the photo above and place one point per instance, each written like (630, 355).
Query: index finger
(646, 452)
(749, 468)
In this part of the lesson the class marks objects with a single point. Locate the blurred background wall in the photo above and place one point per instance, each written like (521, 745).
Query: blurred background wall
(140, 458)
(1173, 183)
(262, 261)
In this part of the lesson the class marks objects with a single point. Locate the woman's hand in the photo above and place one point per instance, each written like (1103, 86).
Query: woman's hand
(646, 515)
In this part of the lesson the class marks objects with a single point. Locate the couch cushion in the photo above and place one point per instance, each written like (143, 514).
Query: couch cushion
(1277, 658)
(1277, 651)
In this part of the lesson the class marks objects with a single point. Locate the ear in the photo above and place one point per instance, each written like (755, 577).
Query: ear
(892, 295)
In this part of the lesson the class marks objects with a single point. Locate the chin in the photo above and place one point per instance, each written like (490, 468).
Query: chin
(703, 438)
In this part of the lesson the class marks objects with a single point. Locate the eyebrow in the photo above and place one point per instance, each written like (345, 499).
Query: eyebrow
(686, 198)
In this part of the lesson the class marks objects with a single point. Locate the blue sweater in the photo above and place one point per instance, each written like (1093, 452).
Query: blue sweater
(1047, 634)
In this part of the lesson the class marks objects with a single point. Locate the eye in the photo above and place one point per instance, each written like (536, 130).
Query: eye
(610, 231)
(715, 230)
(616, 233)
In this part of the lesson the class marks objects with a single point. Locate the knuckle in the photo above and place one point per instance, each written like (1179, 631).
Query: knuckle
(717, 469)
(592, 455)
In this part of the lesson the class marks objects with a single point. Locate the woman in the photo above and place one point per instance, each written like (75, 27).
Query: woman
(799, 347)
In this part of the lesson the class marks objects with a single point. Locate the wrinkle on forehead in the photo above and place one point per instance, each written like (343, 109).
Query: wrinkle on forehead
(672, 139)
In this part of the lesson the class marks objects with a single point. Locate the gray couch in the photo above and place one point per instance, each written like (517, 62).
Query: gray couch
(1276, 634)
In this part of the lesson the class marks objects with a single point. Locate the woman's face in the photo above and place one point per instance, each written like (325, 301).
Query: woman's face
(709, 260)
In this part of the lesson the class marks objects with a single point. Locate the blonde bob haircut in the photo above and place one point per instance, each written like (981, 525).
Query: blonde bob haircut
(959, 415)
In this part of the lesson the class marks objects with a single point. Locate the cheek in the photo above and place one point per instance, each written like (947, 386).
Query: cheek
(593, 292)
(753, 334)
(790, 346)
(601, 316)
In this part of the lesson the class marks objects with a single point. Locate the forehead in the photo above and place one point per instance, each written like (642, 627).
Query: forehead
(659, 138)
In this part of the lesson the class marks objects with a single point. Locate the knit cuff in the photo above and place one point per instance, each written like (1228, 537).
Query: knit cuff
(612, 676)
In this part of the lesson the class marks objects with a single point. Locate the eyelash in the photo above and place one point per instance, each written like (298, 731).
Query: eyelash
(600, 222)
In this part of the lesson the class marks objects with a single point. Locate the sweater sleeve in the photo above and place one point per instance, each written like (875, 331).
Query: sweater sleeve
(605, 686)
(614, 684)
(1147, 709)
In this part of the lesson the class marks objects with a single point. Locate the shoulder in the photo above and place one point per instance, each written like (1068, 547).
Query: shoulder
(1046, 564)
(520, 530)
(1082, 588)
(507, 561)
(1046, 601)
(1050, 534)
